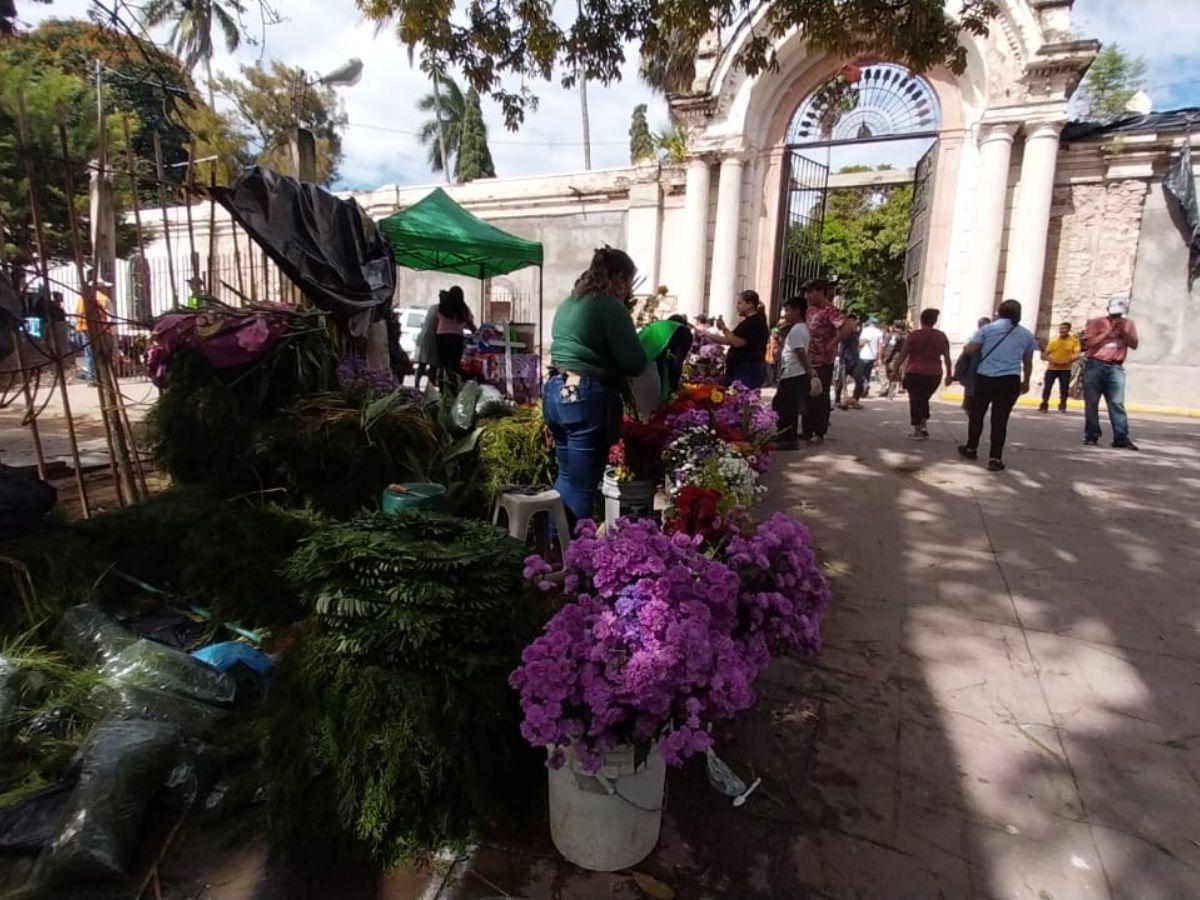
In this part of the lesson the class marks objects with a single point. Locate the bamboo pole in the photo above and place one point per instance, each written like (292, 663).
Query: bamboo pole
(193, 256)
(162, 202)
(114, 404)
(212, 232)
(137, 224)
(39, 230)
(253, 274)
(85, 294)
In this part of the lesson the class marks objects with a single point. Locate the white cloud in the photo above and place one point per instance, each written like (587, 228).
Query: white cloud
(321, 36)
(1163, 32)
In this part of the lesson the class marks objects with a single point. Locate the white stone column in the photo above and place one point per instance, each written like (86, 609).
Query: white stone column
(694, 251)
(643, 231)
(723, 281)
(987, 232)
(1031, 219)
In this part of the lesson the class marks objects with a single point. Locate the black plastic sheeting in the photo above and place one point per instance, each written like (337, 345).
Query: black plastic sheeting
(1171, 120)
(327, 246)
(1180, 185)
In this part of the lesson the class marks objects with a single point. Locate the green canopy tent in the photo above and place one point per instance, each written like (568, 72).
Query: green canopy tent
(438, 235)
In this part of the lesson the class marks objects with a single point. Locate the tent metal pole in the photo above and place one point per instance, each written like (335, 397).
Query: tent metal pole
(540, 318)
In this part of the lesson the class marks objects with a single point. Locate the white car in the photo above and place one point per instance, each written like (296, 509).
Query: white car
(411, 320)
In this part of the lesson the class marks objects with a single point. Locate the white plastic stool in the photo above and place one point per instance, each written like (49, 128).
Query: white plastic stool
(521, 509)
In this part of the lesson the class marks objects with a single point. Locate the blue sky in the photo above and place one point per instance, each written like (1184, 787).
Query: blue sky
(381, 146)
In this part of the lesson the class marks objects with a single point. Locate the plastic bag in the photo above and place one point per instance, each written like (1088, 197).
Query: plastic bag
(29, 826)
(92, 636)
(122, 766)
(225, 655)
(24, 499)
(192, 718)
(490, 399)
(147, 664)
(462, 413)
(646, 390)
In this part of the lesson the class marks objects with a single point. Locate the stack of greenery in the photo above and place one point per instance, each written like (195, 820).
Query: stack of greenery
(389, 726)
(222, 554)
(284, 430)
(516, 449)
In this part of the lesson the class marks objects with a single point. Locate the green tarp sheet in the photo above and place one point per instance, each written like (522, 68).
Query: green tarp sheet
(439, 235)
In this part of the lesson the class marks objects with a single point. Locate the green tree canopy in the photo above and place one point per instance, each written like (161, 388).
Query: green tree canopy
(1111, 82)
(641, 143)
(139, 77)
(474, 157)
(864, 241)
(47, 91)
(487, 41)
(268, 104)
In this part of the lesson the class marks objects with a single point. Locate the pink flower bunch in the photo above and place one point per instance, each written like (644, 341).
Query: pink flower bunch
(783, 591)
(644, 650)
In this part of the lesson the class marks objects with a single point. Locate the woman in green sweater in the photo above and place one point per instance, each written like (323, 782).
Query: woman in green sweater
(593, 348)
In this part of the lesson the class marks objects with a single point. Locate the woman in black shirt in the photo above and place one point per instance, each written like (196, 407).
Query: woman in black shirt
(746, 361)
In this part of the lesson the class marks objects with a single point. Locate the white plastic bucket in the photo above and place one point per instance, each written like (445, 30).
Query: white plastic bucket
(627, 499)
(609, 820)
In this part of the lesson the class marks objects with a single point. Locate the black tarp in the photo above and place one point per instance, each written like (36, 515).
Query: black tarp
(327, 246)
(1135, 123)
(1180, 185)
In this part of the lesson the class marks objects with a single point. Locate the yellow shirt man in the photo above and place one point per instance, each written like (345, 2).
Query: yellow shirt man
(1061, 351)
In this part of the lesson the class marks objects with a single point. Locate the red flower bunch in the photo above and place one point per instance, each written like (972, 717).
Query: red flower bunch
(696, 514)
(638, 455)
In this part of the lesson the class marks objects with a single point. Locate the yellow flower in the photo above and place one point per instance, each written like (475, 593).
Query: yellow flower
(718, 397)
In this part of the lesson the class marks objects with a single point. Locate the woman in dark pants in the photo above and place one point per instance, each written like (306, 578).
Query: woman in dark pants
(746, 361)
(594, 348)
(921, 359)
(453, 317)
(1005, 352)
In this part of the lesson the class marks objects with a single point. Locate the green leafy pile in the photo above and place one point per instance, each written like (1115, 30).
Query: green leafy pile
(390, 726)
(516, 449)
(284, 431)
(213, 427)
(223, 554)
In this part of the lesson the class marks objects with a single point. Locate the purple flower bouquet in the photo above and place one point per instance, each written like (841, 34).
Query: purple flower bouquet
(659, 640)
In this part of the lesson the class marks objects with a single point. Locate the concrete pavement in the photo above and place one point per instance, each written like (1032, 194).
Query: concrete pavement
(1008, 703)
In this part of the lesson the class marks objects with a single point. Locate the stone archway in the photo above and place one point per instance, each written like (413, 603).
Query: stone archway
(876, 106)
(988, 215)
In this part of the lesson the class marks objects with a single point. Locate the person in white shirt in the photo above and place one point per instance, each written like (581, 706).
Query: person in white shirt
(870, 339)
(797, 379)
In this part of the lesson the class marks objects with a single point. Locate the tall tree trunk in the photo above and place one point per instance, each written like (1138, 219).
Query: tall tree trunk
(583, 107)
(437, 113)
(208, 74)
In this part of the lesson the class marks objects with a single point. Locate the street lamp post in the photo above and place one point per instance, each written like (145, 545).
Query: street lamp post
(303, 145)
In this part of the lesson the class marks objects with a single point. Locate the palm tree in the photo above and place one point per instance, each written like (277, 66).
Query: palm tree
(443, 133)
(670, 67)
(192, 29)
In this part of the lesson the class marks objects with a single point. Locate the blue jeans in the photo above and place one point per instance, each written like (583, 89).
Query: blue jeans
(585, 420)
(1104, 379)
(752, 375)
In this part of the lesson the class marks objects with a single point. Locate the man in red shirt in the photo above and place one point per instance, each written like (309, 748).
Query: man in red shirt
(827, 327)
(1108, 340)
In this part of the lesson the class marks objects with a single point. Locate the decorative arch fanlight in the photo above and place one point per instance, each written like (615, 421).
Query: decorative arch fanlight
(862, 102)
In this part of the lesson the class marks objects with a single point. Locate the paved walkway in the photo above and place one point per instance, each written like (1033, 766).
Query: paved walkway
(1008, 703)
(1010, 699)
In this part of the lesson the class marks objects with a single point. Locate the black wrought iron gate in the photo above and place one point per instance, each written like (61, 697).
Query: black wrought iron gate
(918, 228)
(802, 219)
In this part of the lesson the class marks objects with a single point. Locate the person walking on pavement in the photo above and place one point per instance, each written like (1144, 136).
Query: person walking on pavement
(922, 358)
(870, 342)
(1005, 349)
(828, 327)
(746, 361)
(846, 362)
(1109, 339)
(1060, 354)
(796, 379)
